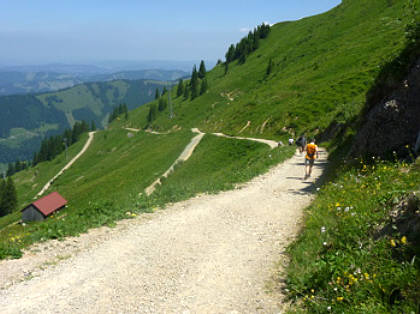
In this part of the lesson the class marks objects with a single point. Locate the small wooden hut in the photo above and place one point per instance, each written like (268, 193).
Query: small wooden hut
(42, 208)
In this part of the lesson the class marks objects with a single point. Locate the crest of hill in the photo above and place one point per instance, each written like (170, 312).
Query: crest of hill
(322, 69)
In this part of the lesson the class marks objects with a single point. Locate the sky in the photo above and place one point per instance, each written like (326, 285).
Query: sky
(88, 31)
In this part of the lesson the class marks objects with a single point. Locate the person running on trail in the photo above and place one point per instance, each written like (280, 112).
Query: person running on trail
(311, 155)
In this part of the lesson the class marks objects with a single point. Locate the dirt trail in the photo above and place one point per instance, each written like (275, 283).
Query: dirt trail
(210, 254)
(87, 144)
(272, 144)
(185, 155)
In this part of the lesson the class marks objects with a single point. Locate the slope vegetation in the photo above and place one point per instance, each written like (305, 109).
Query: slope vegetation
(323, 67)
(26, 119)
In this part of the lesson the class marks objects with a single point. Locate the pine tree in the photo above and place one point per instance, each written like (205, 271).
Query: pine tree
(226, 68)
(202, 71)
(157, 95)
(162, 104)
(9, 198)
(10, 169)
(230, 54)
(242, 58)
(152, 113)
(180, 89)
(92, 126)
(186, 92)
(269, 67)
(194, 89)
(194, 76)
(164, 90)
(204, 86)
(3, 211)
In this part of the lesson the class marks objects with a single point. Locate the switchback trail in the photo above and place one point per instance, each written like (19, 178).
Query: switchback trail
(210, 254)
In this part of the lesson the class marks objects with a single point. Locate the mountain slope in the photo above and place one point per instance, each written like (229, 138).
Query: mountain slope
(323, 67)
(26, 119)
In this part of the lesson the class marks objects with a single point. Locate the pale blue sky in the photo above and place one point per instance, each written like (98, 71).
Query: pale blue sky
(46, 31)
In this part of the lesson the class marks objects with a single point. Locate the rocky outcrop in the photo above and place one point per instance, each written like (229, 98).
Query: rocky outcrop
(394, 122)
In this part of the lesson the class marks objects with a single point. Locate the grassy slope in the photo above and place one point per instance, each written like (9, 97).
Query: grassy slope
(324, 66)
(340, 263)
(216, 165)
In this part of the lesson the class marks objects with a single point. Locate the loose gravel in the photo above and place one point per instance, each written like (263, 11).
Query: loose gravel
(211, 254)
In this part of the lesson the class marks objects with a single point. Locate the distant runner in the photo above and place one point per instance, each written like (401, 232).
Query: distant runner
(311, 155)
(301, 143)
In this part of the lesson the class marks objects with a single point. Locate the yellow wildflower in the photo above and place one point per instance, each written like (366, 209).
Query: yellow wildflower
(340, 299)
(404, 240)
(393, 244)
(337, 204)
(366, 276)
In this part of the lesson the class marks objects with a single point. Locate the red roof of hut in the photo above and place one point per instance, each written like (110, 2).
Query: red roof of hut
(50, 203)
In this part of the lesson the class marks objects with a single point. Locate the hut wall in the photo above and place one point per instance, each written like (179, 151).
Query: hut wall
(30, 213)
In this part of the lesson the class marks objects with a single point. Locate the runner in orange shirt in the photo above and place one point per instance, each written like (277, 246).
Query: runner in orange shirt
(311, 155)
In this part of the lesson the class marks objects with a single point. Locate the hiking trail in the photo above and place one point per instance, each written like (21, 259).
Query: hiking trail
(68, 165)
(209, 254)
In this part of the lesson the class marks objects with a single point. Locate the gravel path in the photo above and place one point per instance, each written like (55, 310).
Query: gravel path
(272, 144)
(71, 162)
(210, 254)
(185, 155)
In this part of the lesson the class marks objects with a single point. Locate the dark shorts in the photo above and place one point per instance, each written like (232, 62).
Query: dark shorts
(309, 162)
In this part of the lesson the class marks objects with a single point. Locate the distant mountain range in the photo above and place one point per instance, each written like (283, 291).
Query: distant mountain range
(39, 79)
(26, 119)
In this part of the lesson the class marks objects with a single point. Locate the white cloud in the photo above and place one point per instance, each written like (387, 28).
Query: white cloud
(244, 30)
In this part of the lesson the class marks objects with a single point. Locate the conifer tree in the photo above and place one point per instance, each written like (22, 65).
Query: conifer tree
(180, 89)
(2, 189)
(9, 198)
(164, 90)
(186, 92)
(157, 94)
(152, 113)
(230, 54)
(194, 89)
(10, 169)
(194, 76)
(162, 104)
(92, 126)
(194, 83)
(202, 70)
(226, 68)
(269, 67)
(204, 86)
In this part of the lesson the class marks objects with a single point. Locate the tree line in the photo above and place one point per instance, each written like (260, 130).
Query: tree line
(54, 145)
(117, 111)
(8, 196)
(247, 44)
(191, 89)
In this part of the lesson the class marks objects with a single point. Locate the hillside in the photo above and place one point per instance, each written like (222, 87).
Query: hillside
(323, 67)
(357, 250)
(26, 119)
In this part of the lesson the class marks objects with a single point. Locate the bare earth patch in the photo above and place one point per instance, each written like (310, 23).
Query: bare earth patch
(210, 254)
